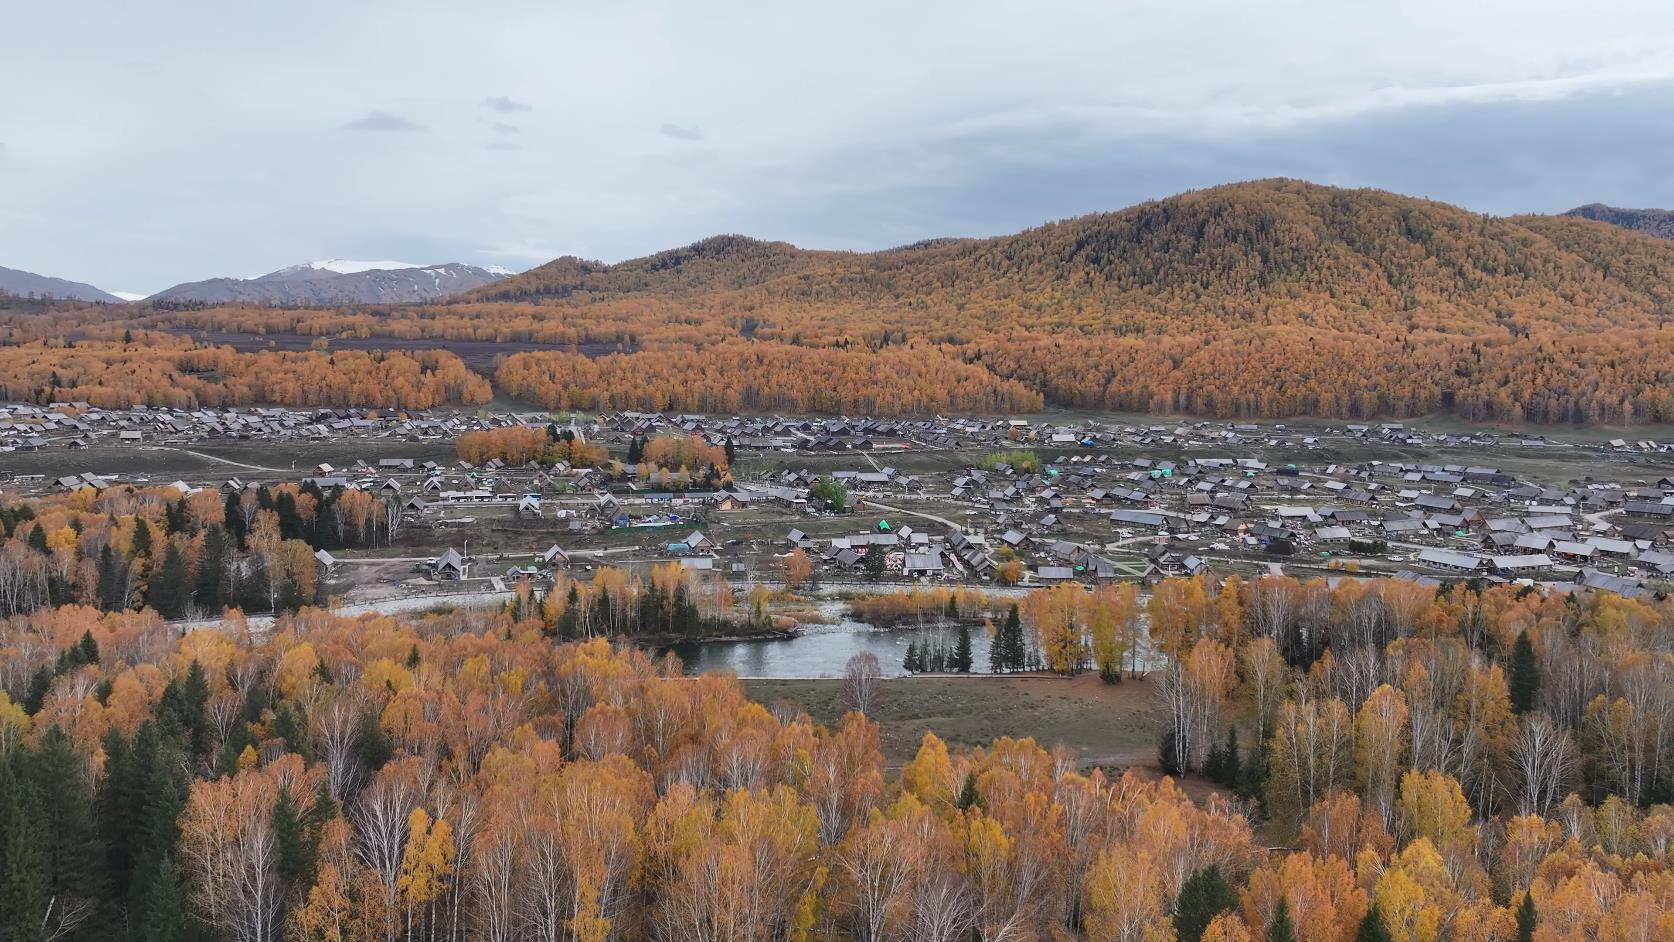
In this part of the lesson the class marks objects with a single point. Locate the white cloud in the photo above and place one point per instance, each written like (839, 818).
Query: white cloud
(145, 173)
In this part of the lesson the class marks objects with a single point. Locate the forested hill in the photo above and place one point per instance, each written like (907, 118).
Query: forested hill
(1271, 251)
(1657, 222)
(1255, 300)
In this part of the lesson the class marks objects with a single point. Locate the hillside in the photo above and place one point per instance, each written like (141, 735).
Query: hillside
(324, 283)
(28, 284)
(1657, 222)
(1263, 299)
(1287, 250)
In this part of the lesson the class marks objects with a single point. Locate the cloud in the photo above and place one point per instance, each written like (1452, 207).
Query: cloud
(681, 133)
(501, 127)
(505, 105)
(503, 146)
(381, 121)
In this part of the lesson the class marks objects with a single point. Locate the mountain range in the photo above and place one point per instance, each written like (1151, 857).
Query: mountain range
(25, 283)
(338, 281)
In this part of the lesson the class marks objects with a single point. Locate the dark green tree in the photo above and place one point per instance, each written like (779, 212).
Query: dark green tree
(1203, 896)
(295, 844)
(1527, 918)
(87, 650)
(1373, 928)
(37, 539)
(141, 545)
(170, 592)
(208, 589)
(962, 650)
(1523, 680)
(969, 797)
(1281, 929)
(23, 889)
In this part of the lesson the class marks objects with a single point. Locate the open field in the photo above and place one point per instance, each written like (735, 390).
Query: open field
(1109, 725)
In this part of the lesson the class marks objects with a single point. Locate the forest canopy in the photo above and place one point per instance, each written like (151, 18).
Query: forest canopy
(1265, 299)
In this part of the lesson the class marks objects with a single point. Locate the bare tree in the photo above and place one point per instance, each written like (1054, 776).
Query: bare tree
(1545, 763)
(861, 681)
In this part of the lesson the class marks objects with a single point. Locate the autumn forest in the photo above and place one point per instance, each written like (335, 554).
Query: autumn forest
(1371, 760)
(1265, 299)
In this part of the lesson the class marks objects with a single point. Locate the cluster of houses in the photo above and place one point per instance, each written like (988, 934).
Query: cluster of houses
(25, 427)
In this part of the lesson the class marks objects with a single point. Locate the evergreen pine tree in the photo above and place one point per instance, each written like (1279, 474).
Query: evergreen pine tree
(177, 516)
(1168, 754)
(962, 650)
(1203, 896)
(87, 650)
(969, 797)
(208, 589)
(1230, 760)
(293, 846)
(40, 684)
(169, 591)
(952, 611)
(194, 697)
(1281, 929)
(72, 861)
(1527, 918)
(141, 545)
(1011, 640)
(910, 662)
(112, 581)
(1523, 680)
(1373, 928)
(157, 913)
(371, 745)
(732, 452)
(38, 539)
(23, 892)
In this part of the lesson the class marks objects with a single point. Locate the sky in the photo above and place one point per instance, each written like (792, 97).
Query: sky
(146, 144)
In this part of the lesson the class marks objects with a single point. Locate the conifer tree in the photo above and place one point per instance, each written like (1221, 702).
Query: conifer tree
(1373, 928)
(1203, 896)
(1523, 674)
(962, 651)
(169, 591)
(1281, 929)
(142, 539)
(208, 590)
(1527, 918)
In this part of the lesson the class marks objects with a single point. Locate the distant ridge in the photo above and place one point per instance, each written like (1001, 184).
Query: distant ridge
(25, 283)
(338, 281)
(1657, 222)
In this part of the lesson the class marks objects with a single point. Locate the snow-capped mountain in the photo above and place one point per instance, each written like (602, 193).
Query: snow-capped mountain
(25, 283)
(338, 266)
(339, 281)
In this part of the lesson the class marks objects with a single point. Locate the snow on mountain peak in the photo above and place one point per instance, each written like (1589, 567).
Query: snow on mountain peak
(344, 266)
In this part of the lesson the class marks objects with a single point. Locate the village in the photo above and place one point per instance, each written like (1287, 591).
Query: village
(964, 501)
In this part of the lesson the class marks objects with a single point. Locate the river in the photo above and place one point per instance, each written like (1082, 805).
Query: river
(820, 651)
(823, 650)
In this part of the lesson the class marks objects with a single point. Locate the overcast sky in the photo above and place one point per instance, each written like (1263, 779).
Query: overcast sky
(144, 144)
